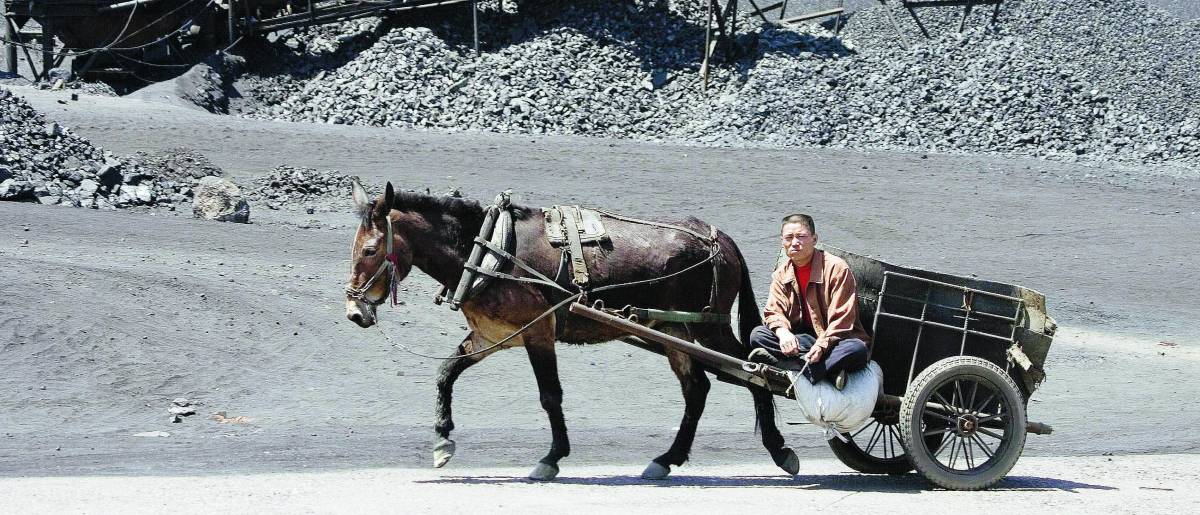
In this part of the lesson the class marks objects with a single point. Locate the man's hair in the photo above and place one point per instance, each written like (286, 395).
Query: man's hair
(800, 218)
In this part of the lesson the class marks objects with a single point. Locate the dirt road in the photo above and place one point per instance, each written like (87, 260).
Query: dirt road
(107, 316)
(1130, 484)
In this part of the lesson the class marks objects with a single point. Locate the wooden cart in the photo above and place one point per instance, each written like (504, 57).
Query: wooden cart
(960, 357)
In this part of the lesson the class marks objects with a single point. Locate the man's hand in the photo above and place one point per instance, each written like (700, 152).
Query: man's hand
(789, 345)
(815, 354)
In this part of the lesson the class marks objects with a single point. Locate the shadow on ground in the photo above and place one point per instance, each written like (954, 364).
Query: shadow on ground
(910, 483)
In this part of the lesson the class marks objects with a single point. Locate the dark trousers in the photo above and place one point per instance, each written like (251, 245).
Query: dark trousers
(850, 354)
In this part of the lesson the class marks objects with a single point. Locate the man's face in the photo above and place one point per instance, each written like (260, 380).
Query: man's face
(798, 242)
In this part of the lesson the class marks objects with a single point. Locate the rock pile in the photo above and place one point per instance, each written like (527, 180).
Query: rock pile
(300, 186)
(1104, 80)
(44, 162)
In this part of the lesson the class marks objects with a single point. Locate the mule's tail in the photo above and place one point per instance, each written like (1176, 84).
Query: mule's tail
(749, 316)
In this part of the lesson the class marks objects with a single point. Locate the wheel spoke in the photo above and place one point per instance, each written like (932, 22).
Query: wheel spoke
(953, 450)
(983, 406)
(941, 416)
(974, 389)
(970, 457)
(987, 449)
(864, 428)
(959, 395)
(948, 405)
(942, 447)
(942, 431)
(989, 433)
(989, 418)
(874, 438)
(895, 437)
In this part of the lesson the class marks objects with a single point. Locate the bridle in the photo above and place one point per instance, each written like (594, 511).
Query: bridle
(390, 264)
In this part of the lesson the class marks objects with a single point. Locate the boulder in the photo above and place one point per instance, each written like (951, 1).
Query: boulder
(221, 200)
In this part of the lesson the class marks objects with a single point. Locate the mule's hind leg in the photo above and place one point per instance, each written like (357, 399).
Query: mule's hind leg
(447, 374)
(695, 386)
(723, 340)
(545, 369)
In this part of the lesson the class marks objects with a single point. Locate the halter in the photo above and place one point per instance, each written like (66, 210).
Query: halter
(390, 264)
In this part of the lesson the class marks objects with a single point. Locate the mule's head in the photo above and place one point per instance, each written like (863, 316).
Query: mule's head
(373, 270)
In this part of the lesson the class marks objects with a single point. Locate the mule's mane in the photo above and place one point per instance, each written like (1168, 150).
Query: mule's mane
(459, 207)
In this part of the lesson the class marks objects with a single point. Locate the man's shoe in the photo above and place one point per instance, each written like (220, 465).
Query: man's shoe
(761, 355)
(839, 382)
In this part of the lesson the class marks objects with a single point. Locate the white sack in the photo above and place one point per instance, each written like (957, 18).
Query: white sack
(839, 411)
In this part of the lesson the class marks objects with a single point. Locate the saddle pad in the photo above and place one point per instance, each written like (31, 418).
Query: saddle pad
(590, 227)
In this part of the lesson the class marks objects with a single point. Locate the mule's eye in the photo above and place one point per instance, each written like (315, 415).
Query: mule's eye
(369, 251)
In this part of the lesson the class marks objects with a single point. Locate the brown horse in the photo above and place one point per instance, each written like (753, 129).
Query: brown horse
(435, 234)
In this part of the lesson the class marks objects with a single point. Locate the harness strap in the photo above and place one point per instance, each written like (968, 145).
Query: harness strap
(716, 278)
(578, 265)
(519, 262)
(706, 239)
(715, 249)
(390, 264)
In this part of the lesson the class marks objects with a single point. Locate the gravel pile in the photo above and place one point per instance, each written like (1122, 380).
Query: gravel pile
(181, 164)
(44, 162)
(1103, 80)
(287, 185)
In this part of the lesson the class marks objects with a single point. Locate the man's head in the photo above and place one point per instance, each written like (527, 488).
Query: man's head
(799, 237)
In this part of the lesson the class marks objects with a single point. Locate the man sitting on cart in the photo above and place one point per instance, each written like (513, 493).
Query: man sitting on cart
(812, 309)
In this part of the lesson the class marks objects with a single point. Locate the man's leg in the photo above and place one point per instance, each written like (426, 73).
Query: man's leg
(849, 355)
(762, 337)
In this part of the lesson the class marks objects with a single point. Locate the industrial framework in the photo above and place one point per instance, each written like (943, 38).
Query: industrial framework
(115, 39)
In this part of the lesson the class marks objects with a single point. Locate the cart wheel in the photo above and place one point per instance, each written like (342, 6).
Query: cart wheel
(977, 409)
(876, 448)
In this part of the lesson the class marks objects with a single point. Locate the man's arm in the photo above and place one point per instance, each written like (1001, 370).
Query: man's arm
(843, 309)
(775, 312)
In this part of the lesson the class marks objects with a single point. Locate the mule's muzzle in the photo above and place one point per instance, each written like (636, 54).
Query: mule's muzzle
(360, 313)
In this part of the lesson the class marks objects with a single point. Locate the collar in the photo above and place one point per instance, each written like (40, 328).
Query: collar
(817, 263)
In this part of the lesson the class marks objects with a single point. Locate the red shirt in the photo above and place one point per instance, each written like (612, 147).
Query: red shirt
(802, 275)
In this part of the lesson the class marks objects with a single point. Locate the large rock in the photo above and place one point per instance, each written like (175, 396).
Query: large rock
(220, 200)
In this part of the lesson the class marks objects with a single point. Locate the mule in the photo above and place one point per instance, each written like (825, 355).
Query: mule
(435, 234)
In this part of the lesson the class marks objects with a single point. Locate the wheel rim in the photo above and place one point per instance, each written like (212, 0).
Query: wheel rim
(974, 420)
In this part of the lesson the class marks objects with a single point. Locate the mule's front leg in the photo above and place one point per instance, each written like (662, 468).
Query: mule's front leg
(545, 369)
(695, 386)
(447, 374)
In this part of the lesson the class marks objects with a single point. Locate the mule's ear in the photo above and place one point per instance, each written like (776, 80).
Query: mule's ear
(362, 203)
(384, 206)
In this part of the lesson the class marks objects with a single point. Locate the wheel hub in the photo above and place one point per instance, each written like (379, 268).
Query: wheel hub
(967, 425)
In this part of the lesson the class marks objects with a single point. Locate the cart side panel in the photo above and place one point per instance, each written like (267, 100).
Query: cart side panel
(894, 346)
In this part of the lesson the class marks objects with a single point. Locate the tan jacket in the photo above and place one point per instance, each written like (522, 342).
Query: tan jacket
(832, 301)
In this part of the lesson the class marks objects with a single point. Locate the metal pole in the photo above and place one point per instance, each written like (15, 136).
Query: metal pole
(475, 26)
(229, 4)
(962, 25)
(47, 51)
(731, 14)
(887, 9)
(10, 45)
(708, 19)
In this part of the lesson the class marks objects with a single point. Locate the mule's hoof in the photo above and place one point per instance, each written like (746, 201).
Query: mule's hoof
(442, 452)
(655, 471)
(790, 463)
(544, 472)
